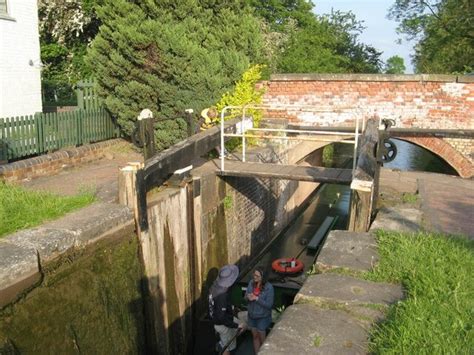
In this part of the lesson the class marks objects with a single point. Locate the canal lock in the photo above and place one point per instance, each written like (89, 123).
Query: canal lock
(94, 302)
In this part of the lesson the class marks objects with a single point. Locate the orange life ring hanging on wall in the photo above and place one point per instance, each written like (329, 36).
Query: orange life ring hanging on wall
(287, 266)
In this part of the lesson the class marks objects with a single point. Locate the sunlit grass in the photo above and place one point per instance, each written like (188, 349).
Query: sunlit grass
(437, 315)
(20, 208)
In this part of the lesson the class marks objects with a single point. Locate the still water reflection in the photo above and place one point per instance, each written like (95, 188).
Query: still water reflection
(411, 157)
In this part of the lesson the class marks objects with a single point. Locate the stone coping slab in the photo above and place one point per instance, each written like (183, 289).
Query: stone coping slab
(19, 270)
(399, 219)
(330, 288)
(307, 329)
(351, 250)
(372, 77)
(23, 254)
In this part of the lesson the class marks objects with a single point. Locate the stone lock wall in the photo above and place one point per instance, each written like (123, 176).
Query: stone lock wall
(413, 101)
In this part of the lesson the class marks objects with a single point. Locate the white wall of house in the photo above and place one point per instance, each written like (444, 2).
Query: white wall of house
(20, 70)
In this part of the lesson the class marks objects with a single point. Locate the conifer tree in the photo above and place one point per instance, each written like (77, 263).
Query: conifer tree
(170, 55)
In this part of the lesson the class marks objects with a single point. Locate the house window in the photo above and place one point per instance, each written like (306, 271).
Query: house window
(3, 7)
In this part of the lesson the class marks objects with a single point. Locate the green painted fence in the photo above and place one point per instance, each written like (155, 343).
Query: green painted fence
(86, 93)
(45, 132)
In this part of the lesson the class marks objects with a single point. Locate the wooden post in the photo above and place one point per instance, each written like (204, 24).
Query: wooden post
(146, 131)
(364, 183)
(127, 186)
(190, 121)
(361, 205)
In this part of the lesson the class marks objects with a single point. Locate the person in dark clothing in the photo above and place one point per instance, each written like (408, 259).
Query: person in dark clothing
(260, 295)
(220, 307)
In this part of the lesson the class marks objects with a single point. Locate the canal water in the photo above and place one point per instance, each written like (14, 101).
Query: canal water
(411, 157)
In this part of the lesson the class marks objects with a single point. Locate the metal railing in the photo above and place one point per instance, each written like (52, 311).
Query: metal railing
(314, 109)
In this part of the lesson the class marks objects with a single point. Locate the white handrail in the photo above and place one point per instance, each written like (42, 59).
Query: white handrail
(286, 107)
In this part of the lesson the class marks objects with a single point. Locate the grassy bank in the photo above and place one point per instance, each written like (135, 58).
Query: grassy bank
(437, 315)
(20, 208)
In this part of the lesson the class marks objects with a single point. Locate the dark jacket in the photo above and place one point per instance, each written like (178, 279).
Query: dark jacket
(220, 307)
(263, 306)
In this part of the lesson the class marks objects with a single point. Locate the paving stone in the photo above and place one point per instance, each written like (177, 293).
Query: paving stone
(92, 221)
(400, 219)
(306, 329)
(330, 288)
(19, 270)
(447, 205)
(356, 251)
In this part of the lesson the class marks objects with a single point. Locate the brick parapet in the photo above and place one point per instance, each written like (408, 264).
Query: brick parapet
(413, 101)
(374, 77)
(53, 163)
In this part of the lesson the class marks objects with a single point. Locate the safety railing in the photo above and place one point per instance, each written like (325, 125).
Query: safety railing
(246, 125)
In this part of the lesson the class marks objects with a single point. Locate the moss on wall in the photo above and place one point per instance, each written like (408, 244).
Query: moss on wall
(90, 305)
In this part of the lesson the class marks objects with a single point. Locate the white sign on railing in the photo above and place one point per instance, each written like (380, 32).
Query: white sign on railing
(245, 124)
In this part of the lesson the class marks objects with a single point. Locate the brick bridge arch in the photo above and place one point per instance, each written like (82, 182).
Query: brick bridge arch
(442, 102)
(445, 151)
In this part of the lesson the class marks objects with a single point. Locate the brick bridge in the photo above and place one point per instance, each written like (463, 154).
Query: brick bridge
(421, 102)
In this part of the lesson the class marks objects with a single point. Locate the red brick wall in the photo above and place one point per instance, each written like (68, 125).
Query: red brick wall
(53, 163)
(413, 101)
(422, 101)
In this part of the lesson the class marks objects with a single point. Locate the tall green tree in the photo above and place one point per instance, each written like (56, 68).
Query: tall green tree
(329, 44)
(168, 56)
(66, 28)
(443, 30)
(395, 65)
(277, 13)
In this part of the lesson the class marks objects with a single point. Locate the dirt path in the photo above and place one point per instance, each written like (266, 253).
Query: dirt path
(100, 176)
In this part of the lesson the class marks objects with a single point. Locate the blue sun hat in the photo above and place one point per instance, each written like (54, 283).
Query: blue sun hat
(227, 275)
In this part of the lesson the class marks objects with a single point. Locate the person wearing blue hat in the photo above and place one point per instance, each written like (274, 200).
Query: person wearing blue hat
(220, 308)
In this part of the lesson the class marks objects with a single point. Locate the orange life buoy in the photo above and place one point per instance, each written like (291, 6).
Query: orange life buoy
(285, 265)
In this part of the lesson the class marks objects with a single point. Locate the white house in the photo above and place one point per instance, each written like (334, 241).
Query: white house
(20, 64)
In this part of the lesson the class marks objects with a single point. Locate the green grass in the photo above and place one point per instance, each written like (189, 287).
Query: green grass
(227, 202)
(20, 208)
(328, 155)
(409, 198)
(317, 341)
(437, 315)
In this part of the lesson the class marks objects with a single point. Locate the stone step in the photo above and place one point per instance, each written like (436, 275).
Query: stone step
(399, 219)
(349, 250)
(331, 288)
(307, 329)
(332, 314)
